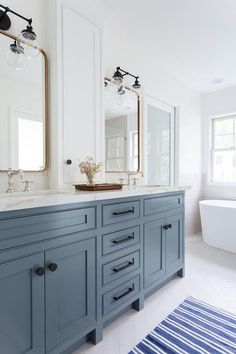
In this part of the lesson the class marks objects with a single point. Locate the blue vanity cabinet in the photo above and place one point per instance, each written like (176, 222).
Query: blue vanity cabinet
(163, 249)
(68, 270)
(174, 243)
(70, 290)
(154, 251)
(22, 305)
(163, 239)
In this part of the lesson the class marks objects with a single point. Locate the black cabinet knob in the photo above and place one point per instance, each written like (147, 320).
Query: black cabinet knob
(52, 267)
(69, 162)
(165, 227)
(40, 271)
(170, 226)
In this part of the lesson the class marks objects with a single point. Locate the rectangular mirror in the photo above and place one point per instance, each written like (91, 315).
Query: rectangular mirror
(23, 114)
(159, 143)
(122, 128)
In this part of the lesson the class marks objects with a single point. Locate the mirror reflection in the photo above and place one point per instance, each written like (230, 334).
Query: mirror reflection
(22, 114)
(121, 128)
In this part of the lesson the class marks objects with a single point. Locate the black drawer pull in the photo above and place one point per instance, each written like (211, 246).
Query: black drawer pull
(167, 227)
(126, 239)
(123, 212)
(116, 298)
(117, 270)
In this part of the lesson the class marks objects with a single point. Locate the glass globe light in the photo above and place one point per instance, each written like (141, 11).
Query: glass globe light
(27, 39)
(15, 57)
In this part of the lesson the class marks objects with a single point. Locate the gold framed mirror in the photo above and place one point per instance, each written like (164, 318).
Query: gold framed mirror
(122, 128)
(24, 109)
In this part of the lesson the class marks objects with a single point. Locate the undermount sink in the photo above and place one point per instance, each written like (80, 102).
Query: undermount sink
(144, 186)
(35, 194)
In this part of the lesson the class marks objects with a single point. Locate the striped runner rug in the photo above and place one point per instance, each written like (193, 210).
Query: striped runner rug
(193, 327)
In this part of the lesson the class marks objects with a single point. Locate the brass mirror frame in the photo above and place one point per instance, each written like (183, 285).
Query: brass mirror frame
(46, 106)
(138, 126)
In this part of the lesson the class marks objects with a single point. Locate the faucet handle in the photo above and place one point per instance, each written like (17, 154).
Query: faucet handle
(22, 175)
(11, 172)
(27, 185)
(135, 179)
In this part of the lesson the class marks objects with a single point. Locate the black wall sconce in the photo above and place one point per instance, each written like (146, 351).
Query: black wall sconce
(119, 76)
(26, 37)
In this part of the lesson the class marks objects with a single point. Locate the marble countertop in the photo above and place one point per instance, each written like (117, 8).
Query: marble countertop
(18, 201)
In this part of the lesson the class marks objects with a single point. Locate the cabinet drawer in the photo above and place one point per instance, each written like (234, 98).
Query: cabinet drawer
(38, 227)
(157, 205)
(120, 239)
(120, 267)
(114, 213)
(120, 295)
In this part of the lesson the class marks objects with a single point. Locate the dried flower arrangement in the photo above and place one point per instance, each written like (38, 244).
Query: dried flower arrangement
(89, 167)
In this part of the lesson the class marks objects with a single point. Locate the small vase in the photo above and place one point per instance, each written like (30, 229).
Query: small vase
(90, 181)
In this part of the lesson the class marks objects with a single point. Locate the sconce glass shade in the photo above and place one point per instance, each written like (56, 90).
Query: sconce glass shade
(27, 39)
(121, 90)
(118, 77)
(136, 84)
(15, 57)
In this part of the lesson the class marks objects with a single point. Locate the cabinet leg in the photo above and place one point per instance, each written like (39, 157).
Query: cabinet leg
(138, 304)
(181, 273)
(96, 335)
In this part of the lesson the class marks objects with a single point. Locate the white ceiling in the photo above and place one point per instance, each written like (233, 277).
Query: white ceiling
(195, 40)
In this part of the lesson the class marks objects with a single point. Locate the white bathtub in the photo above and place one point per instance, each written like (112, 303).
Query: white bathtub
(218, 218)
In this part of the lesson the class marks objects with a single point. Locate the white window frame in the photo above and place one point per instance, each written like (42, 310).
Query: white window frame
(212, 150)
(117, 157)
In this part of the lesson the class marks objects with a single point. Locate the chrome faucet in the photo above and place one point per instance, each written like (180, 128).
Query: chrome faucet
(27, 185)
(129, 174)
(132, 173)
(26, 182)
(10, 174)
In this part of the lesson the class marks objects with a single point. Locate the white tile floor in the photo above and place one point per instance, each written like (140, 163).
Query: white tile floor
(210, 276)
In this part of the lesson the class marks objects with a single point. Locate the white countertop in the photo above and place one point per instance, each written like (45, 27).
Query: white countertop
(18, 201)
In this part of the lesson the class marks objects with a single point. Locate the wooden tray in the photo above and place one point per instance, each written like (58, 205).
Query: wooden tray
(99, 187)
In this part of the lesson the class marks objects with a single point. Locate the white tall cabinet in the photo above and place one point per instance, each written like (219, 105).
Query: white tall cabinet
(78, 82)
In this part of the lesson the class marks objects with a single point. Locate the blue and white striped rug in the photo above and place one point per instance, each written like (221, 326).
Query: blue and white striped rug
(192, 328)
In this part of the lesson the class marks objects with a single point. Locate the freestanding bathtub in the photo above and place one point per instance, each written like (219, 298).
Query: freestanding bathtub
(218, 218)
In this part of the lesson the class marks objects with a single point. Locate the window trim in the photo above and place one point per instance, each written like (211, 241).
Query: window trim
(212, 150)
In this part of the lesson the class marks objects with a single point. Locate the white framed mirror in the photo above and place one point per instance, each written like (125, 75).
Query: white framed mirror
(24, 109)
(122, 128)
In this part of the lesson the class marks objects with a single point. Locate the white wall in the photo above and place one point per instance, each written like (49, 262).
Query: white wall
(37, 10)
(119, 52)
(214, 104)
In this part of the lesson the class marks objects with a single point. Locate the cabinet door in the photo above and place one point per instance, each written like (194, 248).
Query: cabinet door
(70, 290)
(22, 306)
(174, 243)
(82, 87)
(154, 252)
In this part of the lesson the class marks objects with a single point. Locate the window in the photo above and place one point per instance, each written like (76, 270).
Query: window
(224, 150)
(115, 147)
(30, 144)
